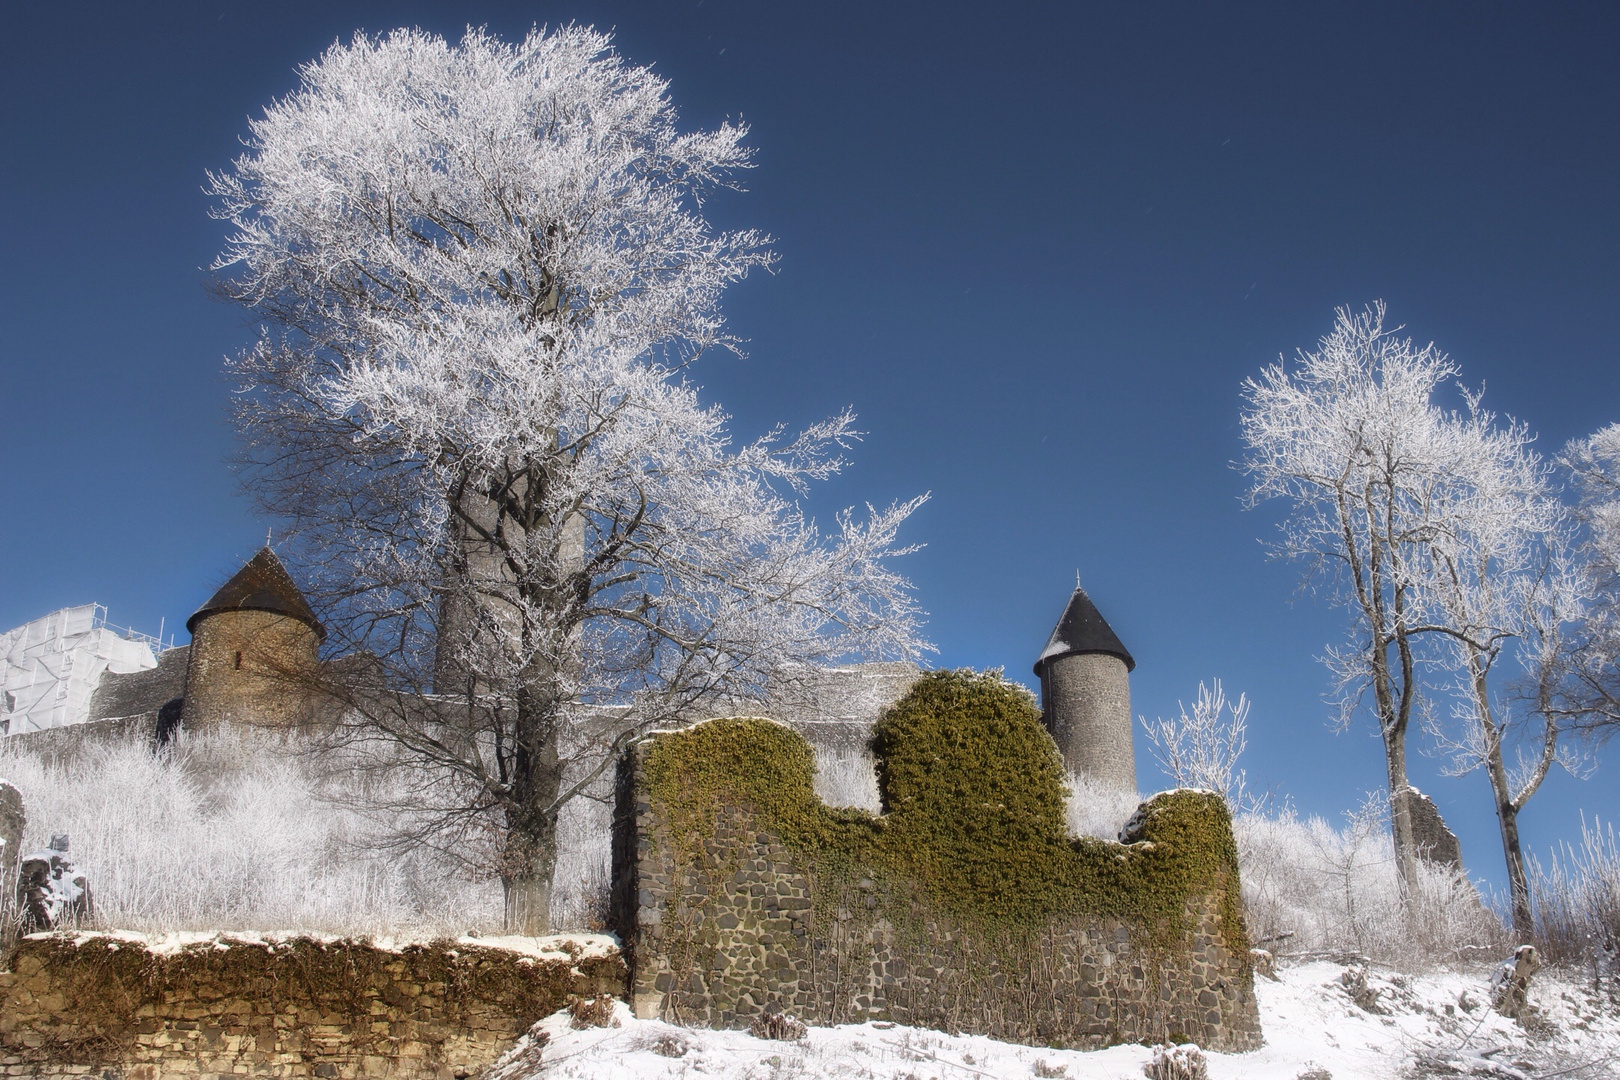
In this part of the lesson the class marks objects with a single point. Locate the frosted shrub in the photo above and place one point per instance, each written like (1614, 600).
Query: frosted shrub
(1099, 809)
(1578, 901)
(1184, 1062)
(1200, 748)
(1336, 890)
(582, 880)
(847, 777)
(238, 831)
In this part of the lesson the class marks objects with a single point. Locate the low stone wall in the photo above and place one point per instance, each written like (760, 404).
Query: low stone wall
(737, 891)
(294, 1007)
(68, 742)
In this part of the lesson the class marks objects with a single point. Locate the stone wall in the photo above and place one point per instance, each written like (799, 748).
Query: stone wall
(1434, 839)
(749, 937)
(136, 692)
(66, 743)
(724, 917)
(297, 1007)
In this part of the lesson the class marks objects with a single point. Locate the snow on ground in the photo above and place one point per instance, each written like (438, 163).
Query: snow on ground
(552, 947)
(1420, 1025)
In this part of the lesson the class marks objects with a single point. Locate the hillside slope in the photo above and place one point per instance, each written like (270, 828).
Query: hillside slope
(1419, 1025)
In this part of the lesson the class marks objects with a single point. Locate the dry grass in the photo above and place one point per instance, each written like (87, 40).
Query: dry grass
(771, 1024)
(236, 831)
(1334, 890)
(1577, 894)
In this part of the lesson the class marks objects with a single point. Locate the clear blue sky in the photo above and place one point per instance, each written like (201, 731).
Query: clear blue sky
(1038, 247)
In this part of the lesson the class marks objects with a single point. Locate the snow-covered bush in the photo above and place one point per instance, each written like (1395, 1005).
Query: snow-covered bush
(1184, 1062)
(1336, 890)
(591, 1012)
(773, 1024)
(237, 830)
(1099, 810)
(52, 893)
(1578, 901)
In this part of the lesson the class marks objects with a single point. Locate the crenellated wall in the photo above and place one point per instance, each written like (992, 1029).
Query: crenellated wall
(965, 906)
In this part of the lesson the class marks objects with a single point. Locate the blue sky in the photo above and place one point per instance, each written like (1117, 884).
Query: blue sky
(1038, 248)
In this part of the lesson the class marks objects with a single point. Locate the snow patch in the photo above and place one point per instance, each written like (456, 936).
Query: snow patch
(1310, 1020)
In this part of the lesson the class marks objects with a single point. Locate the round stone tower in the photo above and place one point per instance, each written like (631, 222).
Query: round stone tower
(1086, 696)
(253, 651)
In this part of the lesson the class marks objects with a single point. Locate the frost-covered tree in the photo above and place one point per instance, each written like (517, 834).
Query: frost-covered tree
(482, 272)
(1429, 526)
(1501, 583)
(1200, 748)
(1591, 693)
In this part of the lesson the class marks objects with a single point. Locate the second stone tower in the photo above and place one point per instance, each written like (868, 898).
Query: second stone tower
(1086, 696)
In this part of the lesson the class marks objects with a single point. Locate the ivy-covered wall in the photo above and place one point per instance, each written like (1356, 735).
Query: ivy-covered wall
(964, 905)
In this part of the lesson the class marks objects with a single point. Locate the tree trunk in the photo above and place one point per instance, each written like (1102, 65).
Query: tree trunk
(1508, 804)
(526, 887)
(1392, 715)
(1400, 819)
(531, 820)
(1507, 818)
(513, 603)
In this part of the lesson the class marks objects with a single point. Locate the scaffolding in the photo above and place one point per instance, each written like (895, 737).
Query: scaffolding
(50, 668)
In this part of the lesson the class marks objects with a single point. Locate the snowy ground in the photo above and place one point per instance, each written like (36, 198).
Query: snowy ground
(1421, 1026)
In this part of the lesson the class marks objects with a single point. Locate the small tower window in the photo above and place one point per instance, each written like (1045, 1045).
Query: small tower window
(238, 659)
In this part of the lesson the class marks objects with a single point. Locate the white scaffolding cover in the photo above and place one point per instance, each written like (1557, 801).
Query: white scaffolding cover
(51, 666)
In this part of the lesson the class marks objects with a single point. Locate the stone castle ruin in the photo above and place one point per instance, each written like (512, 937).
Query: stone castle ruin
(254, 660)
(963, 905)
(249, 644)
(877, 842)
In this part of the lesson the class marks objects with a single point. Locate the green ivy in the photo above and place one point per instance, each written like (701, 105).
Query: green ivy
(973, 799)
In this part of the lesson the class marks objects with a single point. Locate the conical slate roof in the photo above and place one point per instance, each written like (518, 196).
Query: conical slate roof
(1082, 629)
(262, 585)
